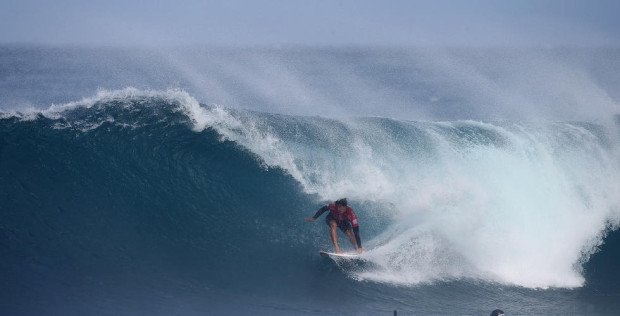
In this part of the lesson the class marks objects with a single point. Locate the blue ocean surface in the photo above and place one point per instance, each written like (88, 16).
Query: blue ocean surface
(136, 183)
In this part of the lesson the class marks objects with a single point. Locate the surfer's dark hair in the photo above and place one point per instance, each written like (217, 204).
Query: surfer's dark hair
(342, 202)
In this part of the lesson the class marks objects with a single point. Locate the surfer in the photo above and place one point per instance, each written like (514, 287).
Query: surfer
(341, 216)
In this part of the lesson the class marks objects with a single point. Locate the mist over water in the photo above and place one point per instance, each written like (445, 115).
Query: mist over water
(575, 84)
(515, 203)
(470, 169)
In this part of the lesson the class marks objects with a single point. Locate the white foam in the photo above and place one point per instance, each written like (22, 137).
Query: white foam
(527, 210)
(521, 205)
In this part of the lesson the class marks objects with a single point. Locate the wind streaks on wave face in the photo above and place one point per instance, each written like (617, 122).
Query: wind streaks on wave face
(515, 203)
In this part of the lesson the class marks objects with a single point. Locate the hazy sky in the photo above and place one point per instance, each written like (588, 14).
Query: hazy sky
(311, 22)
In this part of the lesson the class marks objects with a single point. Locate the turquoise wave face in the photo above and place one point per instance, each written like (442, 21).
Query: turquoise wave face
(139, 206)
(151, 197)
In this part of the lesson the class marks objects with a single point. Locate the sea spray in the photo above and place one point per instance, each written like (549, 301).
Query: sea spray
(515, 203)
(511, 202)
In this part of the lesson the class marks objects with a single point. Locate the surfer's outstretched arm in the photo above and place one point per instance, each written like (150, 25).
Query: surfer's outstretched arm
(351, 236)
(358, 240)
(356, 231)
(317, 214)
(355, 240)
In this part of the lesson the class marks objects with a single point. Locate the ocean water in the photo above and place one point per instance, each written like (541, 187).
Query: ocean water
(141, 182)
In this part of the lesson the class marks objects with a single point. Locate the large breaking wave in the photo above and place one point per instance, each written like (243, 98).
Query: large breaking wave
(511, 202)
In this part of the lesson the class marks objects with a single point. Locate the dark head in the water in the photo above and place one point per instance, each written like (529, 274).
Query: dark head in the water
(497, 312)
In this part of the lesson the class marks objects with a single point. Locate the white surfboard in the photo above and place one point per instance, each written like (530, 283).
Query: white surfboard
(334, 255)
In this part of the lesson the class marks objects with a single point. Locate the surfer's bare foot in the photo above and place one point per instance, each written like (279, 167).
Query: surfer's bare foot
(360, 250)
(338, 250)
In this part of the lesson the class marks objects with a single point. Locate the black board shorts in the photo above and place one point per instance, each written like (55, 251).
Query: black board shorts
(344, 225)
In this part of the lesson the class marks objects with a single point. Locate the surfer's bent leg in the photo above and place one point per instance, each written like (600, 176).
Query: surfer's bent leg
(346, 226)
(333, 234)
(349, 233)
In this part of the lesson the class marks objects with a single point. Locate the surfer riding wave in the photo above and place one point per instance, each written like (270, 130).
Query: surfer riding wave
(341, 216)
